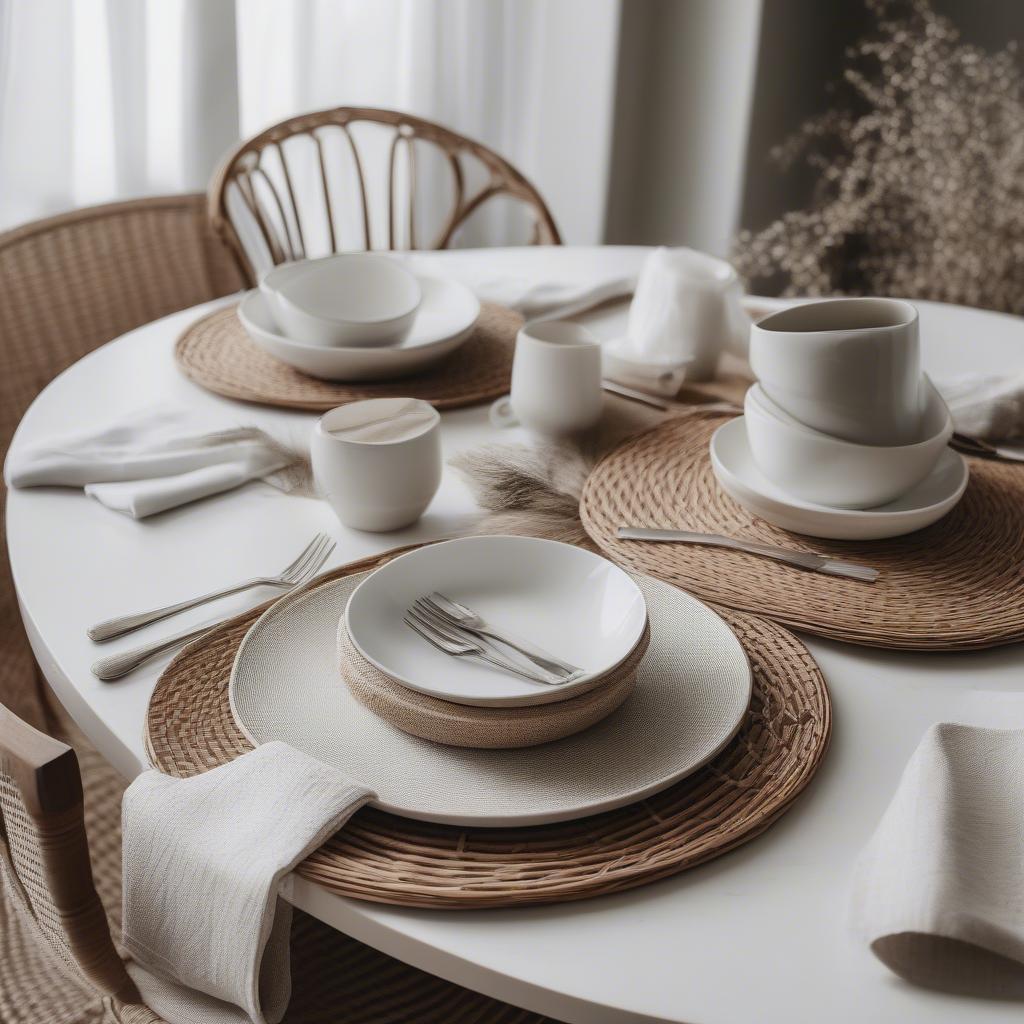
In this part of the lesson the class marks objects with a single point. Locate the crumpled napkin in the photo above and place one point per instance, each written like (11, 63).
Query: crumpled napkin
(156, 460)
(939, 891)
(987, 407)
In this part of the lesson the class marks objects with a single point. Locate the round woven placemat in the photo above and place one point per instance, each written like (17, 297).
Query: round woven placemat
(462, 725)
(383, 858)
(957, 585)
(217, 354)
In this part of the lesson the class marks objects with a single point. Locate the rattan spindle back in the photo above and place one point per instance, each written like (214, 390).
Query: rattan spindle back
(71, 283)
(44, 854)
(279, 187)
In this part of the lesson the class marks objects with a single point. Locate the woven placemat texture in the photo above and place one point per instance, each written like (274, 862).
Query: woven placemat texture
(957, 585)
(461, 725)
(217, 354)
(383, 858)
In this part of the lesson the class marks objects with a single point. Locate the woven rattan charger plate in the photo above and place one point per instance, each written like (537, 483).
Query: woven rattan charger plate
(217, 354)
(383, 858)
(956, 585)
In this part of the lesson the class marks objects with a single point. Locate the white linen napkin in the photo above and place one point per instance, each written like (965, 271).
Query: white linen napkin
(204, 862)
(987, 407)
(939, 891)
(152, 461)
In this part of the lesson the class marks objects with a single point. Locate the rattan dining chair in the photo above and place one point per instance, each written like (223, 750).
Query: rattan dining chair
(47, 893)
(71, 283)
(285, 193)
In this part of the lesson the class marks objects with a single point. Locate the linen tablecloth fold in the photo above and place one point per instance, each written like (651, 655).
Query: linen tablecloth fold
(939, 891)
(153, 461)
(204, 861)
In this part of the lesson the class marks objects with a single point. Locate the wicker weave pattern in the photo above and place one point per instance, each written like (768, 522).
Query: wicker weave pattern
(255, 194)
(216, 353)
(392, 860)
(953, 586)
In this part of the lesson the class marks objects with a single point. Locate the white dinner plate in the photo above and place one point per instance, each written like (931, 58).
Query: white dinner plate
(445, 320)
(692, 693)
(579, 606)
(921, 506)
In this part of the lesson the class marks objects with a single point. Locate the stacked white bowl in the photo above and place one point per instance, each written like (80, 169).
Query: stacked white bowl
(842, 414)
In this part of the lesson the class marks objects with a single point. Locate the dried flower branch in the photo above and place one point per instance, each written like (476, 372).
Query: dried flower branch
(921, 187)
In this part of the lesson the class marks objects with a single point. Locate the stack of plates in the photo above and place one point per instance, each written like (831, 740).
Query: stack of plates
(691, 693)
(443, 320)
(570, 602)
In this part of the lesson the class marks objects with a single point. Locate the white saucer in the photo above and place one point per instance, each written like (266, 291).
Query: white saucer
(445, 319)
(921, 506)
(692, 693)
(575, 604)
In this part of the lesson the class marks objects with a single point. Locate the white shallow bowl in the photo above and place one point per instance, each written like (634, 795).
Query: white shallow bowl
(444, 321)
(739, 476)
(571, 602)
(351, 299)
(826, 470)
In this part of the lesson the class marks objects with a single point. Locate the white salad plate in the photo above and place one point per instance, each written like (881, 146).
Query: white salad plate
(575, 604)
(924, 504)
(692, 694)
(444, 321)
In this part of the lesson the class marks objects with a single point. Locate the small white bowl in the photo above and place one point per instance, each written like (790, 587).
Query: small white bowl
(576, 604)
(826, 470)
(351, 300)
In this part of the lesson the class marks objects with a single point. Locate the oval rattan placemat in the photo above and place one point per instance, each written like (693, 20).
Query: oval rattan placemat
(217, 354)
(386, 859)
(956, 585)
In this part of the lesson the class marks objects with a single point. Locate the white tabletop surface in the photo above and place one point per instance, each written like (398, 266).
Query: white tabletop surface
(756, 935)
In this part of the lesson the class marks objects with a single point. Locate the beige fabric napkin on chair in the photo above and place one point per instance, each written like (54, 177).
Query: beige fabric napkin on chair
(204, 862)
(939, 891)
(153, 461)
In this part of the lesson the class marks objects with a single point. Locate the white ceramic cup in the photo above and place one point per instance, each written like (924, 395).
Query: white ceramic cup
(382, 483)
(556, 378)
(847, 367)
(688, 308)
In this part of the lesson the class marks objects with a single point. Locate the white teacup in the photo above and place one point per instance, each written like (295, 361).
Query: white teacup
(556, 378)
(378, 463)
(850, 368)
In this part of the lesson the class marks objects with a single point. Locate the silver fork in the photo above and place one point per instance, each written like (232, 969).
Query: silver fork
(117, 665)
(288, 577)
(425, 612)
(465, 647)
(802, 559)
(466, 618)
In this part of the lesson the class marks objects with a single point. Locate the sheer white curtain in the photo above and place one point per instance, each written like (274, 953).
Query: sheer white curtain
(103, 99)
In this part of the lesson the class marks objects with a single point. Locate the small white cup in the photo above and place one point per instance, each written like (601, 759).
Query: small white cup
(556, 378)
(378, 484)
(847, 367)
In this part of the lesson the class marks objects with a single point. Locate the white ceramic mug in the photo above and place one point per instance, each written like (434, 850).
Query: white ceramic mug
(378, 463)
(847, 367)
(688, 308)
(556, 378)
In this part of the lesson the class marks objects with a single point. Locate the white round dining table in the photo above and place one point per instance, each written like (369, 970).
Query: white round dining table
(758, 935)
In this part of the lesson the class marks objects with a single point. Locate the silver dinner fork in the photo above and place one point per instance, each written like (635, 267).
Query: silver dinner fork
(287, 577)
(459, 615)
(802, 559)
(465, 646)
(117, 665)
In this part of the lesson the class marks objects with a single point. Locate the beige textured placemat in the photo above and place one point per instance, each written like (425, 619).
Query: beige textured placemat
(383, 858)
(957, 585)
(462, 725)
(217, 354)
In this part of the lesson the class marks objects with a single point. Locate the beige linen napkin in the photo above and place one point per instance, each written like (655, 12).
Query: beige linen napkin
(939, 891)
(204, 862)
